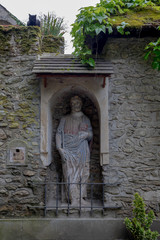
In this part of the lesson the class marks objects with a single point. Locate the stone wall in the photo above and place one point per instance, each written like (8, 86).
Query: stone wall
(134, 127)
(20, 120)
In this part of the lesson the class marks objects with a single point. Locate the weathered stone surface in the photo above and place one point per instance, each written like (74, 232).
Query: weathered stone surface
(6, 73)
(19, 106)
(16, 172)
(35, 143)
(8, 180)
(134, 130)
(3, 124)
(3, 192)
(14, 125)
(1, 143)
(2, 182)
(31, 200)
(6, 209)
(29, 173)
(11, 187)
(21, 193)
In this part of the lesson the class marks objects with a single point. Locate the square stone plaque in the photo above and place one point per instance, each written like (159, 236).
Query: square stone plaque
(17, 153)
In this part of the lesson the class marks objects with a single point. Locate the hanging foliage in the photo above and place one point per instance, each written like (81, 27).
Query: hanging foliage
(153, 50)
(92, 20)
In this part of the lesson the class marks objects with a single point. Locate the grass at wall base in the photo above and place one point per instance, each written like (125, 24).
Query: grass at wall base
(139, 226)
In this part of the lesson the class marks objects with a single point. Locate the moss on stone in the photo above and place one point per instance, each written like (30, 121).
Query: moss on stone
(150, 16)
(24, 126)
(7, 105)
(10, 118)
(3, 124)
(3, 96)
(3, 112)
(14, 125)
(25, 114)
(4, 41)
(52, 44)
(27, 40)
(24, 105)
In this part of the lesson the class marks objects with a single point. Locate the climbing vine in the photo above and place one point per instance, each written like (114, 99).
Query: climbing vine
(153, 50)
(92, 20)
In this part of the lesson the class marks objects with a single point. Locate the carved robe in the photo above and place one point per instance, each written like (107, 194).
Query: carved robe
(73, 136)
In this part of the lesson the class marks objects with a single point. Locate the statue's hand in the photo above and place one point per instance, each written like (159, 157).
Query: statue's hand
(62, 152)
(83, 135)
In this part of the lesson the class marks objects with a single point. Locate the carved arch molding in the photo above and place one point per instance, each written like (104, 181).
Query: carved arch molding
(92, 88)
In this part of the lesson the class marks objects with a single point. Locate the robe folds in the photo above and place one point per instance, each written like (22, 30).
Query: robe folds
(72, 138)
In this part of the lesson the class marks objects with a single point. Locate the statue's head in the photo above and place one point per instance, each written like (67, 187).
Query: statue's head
(76, 104)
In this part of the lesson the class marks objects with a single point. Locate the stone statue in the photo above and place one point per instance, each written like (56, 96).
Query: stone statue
(72, 141)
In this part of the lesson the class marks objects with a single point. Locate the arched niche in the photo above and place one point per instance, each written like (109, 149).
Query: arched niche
(60, 106)
(57, 87)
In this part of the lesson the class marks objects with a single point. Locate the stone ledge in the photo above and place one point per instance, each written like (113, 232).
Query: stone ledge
(60, 229)
(65, 228)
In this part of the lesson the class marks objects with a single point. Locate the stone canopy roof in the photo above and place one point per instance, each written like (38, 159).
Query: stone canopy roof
(68, 64)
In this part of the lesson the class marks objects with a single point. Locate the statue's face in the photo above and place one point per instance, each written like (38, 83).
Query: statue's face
(76, 105)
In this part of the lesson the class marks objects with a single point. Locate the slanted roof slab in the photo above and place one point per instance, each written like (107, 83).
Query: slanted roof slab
(68, 64)
(7, 18)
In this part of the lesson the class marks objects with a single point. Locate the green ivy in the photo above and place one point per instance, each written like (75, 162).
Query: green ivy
(139, 225)
(153, 50)
(92, 20)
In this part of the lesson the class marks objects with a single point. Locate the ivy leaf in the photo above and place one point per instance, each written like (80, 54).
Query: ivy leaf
(120, 29)
(155, 65)
(100, 18)
(129, 5)
(103, 28)
(120, 9)
(99, 10)
(90, 29)
(147, 55)
(91, 62)
(88, 52)
(124, 24)
(157, 52)
(127, 33)
(110, 30)
(100, 28)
